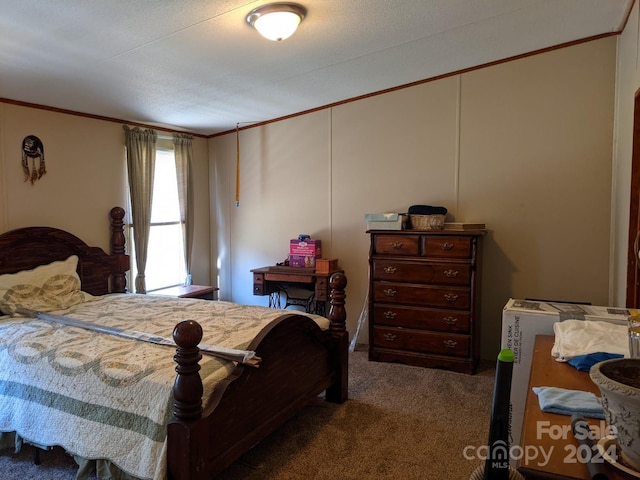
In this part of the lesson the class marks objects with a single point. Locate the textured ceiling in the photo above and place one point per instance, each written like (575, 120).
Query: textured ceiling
(196, 65)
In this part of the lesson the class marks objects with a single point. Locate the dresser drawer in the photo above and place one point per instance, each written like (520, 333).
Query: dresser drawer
(397, 245)
(422, 318)
(413, 272)
(425, 295)
(447, 246)
(416, 340)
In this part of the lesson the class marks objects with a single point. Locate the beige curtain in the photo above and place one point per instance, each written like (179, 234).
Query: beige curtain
(141, 159)
(183, 151)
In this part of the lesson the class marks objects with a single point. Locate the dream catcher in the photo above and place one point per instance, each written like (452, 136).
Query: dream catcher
(33, 149)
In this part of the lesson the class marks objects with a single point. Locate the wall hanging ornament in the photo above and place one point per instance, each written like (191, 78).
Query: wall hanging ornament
(33, 149)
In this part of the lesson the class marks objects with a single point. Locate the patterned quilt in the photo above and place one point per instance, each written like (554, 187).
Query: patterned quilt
(100, 396)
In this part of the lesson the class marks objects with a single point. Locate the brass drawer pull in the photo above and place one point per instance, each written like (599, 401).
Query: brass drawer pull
(450, 344)
(390, 337)
(390, 292)
(450, 297)
(450, 320)
(446, 246)
(390, 270)
(397, 245)
(389, 315)
(451, 273)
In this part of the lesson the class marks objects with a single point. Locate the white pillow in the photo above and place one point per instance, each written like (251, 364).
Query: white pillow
(46, 288)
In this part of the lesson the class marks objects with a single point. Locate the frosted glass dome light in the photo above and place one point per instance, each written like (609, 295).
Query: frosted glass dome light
(276, 21)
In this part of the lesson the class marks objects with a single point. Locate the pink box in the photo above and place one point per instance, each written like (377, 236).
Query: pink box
(303, 253)
(302, 261)
(305, 248)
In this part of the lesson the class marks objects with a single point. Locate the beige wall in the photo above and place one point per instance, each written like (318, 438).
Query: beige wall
(524, 146)
(86, 177)
(285, 190)
(627, 83)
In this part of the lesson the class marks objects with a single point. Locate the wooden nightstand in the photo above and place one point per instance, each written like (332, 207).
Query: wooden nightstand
(565, 458)
(204, 292)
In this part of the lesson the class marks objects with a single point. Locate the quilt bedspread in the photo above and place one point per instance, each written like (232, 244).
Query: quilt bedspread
(104, 397)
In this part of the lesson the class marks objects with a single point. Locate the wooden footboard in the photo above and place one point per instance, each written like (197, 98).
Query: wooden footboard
(299, 361)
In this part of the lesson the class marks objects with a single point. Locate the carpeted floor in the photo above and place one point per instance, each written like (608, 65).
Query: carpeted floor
(400, 422)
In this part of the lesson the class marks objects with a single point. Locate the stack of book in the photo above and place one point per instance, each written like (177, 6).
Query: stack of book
(460, 226)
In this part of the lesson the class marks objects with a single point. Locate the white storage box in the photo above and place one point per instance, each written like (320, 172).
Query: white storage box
(385, 221)
(522, 320)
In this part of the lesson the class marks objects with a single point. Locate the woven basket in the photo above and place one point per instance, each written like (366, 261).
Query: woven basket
(427, 222)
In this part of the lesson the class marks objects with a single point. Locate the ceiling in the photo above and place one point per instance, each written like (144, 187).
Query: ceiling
(196, 66)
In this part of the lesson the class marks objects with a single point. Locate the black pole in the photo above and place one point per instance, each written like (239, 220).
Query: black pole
(497, 462)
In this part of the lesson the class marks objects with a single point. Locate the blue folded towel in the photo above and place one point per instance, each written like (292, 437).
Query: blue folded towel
(569, 402)
(584, 362)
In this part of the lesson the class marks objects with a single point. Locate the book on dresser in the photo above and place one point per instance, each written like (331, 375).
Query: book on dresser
(462, 226)
(424, 298)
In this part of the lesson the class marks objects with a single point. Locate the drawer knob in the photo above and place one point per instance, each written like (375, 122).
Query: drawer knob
(389, 315)
(390, 292)
(450, 344)
(451, 273)
(450, 297)
(390, 270)
(390, 337)
(450, 320)
(397, 245)
(446, 246)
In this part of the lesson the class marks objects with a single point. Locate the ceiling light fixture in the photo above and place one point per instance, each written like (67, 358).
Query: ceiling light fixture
(276, 21)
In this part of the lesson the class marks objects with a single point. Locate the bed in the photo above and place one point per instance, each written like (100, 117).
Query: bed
(209, 412)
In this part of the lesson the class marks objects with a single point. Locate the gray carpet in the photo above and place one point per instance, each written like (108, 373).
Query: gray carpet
(400, 422)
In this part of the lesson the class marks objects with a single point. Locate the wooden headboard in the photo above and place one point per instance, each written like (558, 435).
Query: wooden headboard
(100, 273)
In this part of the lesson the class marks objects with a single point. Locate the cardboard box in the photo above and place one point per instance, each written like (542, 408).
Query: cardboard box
(385, 221)
(327, 265)
(522, 320)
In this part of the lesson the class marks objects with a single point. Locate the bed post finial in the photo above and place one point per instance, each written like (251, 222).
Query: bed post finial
(117, 231)
(337, 313)
(338, 392)
(187, 389)
(119, 277)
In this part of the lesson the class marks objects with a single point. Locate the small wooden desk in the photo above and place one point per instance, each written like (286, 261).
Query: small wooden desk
(204, 292)
(541, 431)
(271, 280)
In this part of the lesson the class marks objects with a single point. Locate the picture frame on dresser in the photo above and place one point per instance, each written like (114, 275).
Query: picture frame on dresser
(424, 298)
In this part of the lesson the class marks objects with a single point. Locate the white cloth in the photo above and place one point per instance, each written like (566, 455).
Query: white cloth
(582, 337)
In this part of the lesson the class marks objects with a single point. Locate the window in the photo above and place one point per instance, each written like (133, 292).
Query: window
(165, 253)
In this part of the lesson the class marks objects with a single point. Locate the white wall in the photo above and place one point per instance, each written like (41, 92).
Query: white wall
(514, 145)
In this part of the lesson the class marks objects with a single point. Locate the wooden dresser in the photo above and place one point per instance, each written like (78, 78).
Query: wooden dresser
(424, 298)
